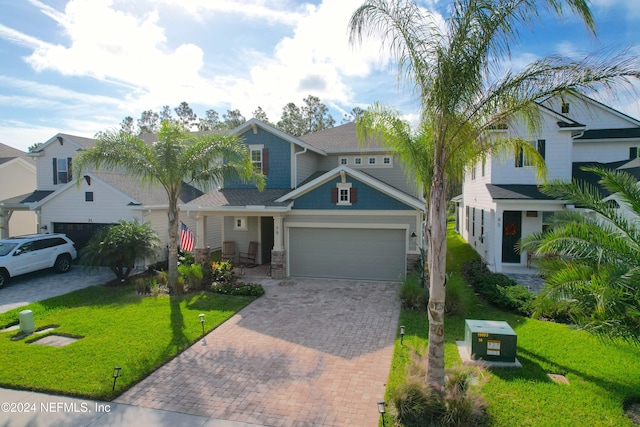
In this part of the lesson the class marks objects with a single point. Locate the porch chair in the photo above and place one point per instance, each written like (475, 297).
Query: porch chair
(249, 258)
(229, 251)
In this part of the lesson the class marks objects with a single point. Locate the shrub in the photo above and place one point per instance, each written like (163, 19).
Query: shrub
(454, 303)
(417, 403)
(222, 272)
(178, 287)
(412, 293)
(498, 289)
(516, 299)
(239, 288)
(192, 274)
(560, 311)
(140, 285)
(162, 277)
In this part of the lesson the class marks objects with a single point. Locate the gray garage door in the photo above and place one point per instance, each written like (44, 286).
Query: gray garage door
(347, 253)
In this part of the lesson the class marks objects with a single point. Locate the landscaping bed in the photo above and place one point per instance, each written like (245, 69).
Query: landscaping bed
(601, 374)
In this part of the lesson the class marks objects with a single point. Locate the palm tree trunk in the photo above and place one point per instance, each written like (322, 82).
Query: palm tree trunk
(173, 243)
(437, 244)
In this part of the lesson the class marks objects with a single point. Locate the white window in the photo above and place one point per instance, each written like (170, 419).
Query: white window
(357, 161)
(386, 160)
(240, 223)
(256, 156)
(344, 194)
(372, 160)
(344, 161)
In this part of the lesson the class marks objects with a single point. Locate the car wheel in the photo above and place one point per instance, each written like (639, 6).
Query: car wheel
(4, 277)
(63, 264)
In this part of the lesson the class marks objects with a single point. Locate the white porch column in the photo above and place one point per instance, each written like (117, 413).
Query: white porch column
(278, 233)
(201, 231)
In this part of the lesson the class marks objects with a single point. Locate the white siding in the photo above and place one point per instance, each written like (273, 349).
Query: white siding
(22, 178)
(603, 151)
(592, 114)
(44, 164)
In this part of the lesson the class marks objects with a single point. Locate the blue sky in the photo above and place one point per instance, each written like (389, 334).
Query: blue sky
(80, 66)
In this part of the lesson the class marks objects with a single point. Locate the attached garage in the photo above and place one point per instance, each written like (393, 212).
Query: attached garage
(347, 253)
(79, 232)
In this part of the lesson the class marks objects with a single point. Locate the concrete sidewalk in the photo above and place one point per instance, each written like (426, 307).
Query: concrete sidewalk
(23, 408)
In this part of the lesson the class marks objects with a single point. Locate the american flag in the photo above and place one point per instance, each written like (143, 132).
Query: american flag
(187, 239)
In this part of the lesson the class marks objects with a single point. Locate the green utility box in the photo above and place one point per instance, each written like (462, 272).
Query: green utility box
(490, 340)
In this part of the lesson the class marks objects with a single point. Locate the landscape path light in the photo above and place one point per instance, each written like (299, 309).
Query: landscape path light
(381, 410)
(401, 334)
(202, 322)
(116, 375)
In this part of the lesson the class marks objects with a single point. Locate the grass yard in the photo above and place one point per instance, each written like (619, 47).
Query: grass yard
(118, 328)
(602, 375)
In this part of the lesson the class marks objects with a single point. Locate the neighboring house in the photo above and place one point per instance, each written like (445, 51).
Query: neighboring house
(63, 205)
(331, 208)
(18, 178)
(501, 202)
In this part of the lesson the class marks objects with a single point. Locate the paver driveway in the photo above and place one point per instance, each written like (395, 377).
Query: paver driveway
(311, 352)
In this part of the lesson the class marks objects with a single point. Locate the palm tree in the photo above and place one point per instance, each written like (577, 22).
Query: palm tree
(177, 158)
(452, 71)
(594, 261)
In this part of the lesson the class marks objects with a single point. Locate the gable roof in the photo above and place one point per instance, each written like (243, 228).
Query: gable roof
(341, 139)
(255, 123)
(316, 181)
(80, 141)
(8, 153)
(616, 133)
(131, 190)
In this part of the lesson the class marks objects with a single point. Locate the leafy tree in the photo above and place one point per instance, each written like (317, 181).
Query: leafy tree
(353, 116)
(186, 116)
(233, 119)
(149, 122)
(34, 147)
(166, 114)
(451, 72)
(594, 261)
(128, 125)
(210, 121)
(119, 246)
(316, 115)
(260, 115)
(291, 120)
(178, 157)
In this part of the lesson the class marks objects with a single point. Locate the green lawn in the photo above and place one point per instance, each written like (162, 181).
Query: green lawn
(602, 375)
(119, 328)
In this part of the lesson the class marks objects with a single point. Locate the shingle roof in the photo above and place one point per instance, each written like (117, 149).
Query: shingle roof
(145, 194)
(339, 139)
(8, 153)
(516, 192)
(610, 134)
(34, 197)
(241, 197)
(631, 167)
(84, 142)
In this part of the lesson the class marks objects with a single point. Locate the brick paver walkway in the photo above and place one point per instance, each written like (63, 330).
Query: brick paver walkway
(310, 352)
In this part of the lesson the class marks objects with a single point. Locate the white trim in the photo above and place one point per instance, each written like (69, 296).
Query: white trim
(372, 182)
(72, 183)
(249, 124)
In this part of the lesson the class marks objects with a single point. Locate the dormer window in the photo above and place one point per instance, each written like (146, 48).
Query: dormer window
(372, 161)
(357, 161)
(344, 161)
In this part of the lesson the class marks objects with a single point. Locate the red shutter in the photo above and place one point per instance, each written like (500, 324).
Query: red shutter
(265, 161)
(55, 171)
(334, 195)
(353, 195)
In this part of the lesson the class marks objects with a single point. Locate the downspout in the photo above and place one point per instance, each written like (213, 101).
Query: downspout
(295, 167)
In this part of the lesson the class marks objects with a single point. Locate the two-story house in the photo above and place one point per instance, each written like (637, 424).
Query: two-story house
(501, 201)
(78, 209)
(18, 178)
(331, 207)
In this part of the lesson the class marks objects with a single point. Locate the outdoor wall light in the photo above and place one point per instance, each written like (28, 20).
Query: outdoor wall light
(413, 235)
(381, 410)
(202, 322)
(116, 375)
(401, 334)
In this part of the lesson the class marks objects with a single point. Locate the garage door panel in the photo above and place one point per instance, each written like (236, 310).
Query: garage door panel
(372, 254)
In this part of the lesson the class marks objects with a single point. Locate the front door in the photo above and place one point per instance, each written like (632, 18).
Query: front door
(511, 233)
(266, 238)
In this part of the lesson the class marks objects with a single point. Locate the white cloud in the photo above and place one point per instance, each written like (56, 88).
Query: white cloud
(56, 92)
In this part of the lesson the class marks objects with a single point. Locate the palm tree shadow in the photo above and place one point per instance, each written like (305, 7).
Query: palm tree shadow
(179, 340)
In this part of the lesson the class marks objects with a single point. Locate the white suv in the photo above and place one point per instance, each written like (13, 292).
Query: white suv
(24, 254)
